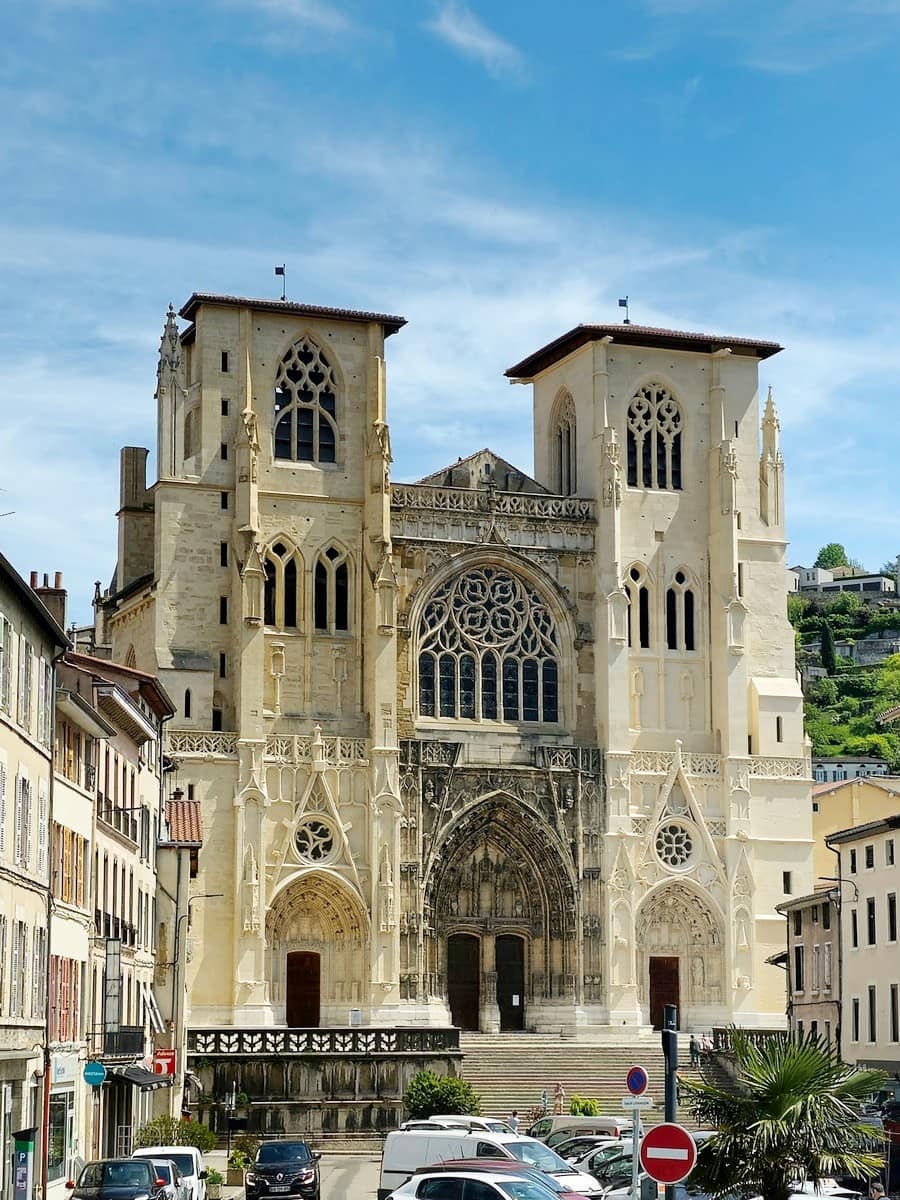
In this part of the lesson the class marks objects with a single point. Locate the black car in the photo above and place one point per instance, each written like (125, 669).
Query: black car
(118, 1179)
(283, 1169)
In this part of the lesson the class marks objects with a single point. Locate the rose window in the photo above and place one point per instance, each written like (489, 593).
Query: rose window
(674, 845)
(315, 840)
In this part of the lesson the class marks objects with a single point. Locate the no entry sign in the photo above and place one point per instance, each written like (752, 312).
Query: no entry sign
(668, 1153)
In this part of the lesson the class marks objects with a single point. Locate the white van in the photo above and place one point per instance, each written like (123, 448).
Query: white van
(406, 1151)
(187, 1159)
(549, 1127)
(459, 1121)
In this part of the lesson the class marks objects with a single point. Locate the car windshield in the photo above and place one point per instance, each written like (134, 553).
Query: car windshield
(522, 1190)
(115, 1174)
(279, 1152)
(538, 1155)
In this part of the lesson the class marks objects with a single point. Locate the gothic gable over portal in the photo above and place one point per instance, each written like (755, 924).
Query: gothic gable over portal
(483, 468)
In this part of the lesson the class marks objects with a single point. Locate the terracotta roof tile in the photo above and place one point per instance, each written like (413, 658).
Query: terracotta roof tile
(183, 820)
(390, 321)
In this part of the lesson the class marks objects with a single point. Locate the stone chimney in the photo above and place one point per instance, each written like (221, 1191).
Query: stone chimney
(54, 597)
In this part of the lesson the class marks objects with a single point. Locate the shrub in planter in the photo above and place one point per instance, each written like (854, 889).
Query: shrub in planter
(581, 1106)
(214, 1181)
(168, 1131)
(429, 1093)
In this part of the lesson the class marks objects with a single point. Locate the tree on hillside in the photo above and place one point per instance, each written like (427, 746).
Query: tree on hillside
(889, 568)
(829, 658)
(792, 1113)
(832, 555)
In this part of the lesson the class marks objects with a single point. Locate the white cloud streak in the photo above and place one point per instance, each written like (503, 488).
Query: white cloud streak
(458, 26)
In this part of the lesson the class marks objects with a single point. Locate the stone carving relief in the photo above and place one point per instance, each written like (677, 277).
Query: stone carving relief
(675, 920)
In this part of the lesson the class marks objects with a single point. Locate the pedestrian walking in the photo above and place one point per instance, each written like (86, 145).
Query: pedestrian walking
(513, 1121)
(559, 1100)
(695, 1051)
(876, 1191)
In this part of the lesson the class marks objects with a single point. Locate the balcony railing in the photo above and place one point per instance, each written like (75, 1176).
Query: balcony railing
(359, 1041)
(120, 819)
(125, 1042)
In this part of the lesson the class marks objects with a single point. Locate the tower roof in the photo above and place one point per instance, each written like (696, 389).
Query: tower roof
(390, 322)
(637, 335)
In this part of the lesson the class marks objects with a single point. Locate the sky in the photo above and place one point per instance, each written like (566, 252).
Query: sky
(496, 171)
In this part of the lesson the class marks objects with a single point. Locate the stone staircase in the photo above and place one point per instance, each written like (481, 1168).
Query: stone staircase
(509, 1070)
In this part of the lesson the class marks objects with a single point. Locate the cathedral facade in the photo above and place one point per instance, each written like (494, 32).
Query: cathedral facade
(492, 750)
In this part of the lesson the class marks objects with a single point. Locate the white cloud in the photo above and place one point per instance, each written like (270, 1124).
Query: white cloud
(458, 26)
(316, 14)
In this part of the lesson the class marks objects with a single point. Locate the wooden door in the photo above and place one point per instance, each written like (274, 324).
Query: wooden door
(303, 989)
(510, 958)
(663, 987)
(463, 979)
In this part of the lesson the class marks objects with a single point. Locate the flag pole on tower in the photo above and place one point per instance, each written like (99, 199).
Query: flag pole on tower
(280, 271)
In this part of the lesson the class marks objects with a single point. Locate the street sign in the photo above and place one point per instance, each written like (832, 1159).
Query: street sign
(668, 1153)
(164, 1062)
(637, 1102)
(636, 1081)
(94, 1073)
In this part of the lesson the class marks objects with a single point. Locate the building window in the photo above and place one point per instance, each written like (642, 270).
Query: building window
(564, 444)
(223, 451)
(306, 428)
(224, 362)
(873, 1027)
(816, 954)
(798, 969)
(779, 729)
(190, 432)
(826, 965)
(870, 920)
(217, 720)
(654, 439)
(223, 610)
(187, 704)
(889, 852)
(680, 614)
(224, 407)
(331, 600)
(895, 1014)
(59, 1133)
(223, 554)
(826, 915)
(798, 922)
(853, 861)
(281, 588)
(223, 665)
(786, 883)
(638, 594)
(223, 500)
(892, 916)
(854, 929)
(488, 651)
(870, 857)
(854, 1019)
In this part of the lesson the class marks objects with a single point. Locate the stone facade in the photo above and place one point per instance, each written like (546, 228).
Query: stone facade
(492, 750)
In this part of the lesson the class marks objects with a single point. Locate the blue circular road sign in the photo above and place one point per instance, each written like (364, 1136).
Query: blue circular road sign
(94, 1073)
(636, 1081)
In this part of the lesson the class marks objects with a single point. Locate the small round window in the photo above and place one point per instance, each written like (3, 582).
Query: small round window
(315, 840)
(674, 845)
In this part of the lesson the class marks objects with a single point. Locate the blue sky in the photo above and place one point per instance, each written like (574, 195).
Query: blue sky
(496, 171)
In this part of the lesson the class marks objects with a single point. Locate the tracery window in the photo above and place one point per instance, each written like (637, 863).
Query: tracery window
(680, 632)
(305, 413)
(281, 588)
(654, 439)
(331, 598)
(638, 594)
(488, 651)
(564, 445)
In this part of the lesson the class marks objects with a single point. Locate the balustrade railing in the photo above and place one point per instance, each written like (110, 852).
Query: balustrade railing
(483, 501)
(299, 748)
(660, 762)
(204, 743)
(722, 1036)
(124, 1042)
(229, 1042)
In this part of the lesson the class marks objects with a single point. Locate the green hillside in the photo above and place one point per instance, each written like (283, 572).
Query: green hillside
(842, 710)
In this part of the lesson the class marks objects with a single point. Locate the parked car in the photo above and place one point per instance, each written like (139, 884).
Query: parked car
(460, 1185)
(458, 1121)
(117, 1179)
(283, 1168)
(509, 1165)
(189, 1162)
(177, 1188)
(577, 1147)
(599, 1157)
(558, 1127)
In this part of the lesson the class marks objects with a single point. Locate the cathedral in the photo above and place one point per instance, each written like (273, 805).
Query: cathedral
(491, 750)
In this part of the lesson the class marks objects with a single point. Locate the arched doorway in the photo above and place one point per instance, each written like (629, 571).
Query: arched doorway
(680, 955)
(317, 934)
(499, 887)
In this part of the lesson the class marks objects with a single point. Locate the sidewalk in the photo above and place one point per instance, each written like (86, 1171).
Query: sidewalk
(218, 1159)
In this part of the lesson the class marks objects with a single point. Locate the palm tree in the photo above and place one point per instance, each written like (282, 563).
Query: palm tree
(792, 1113)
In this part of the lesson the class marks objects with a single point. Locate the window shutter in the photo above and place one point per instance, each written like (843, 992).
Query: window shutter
(67, 865)
(2, 964)
(28, 818)
(2, 805)
(17, 822)
(36, 975)
(20, 704)
(4, 660)
(42, 829)
(42, 698)
(14, 979)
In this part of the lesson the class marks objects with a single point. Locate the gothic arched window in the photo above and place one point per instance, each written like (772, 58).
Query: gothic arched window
(488, 651)
(563, 444)
(638, 593)
(654, 439)
(305, 414)
(331, 594)
(680, 614)
(281, 588)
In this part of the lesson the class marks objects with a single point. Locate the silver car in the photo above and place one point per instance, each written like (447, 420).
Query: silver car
(177, 1188)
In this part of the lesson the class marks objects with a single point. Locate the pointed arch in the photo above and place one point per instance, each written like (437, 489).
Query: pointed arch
(682, 595)
(305, 415)
(332, 589)
(282, 584)
(317, 904)
(564, 443)
(653, 438)
(637, 589)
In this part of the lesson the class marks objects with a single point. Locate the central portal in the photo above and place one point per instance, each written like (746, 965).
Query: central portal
(303, 991)
(664, 987)
(463, 979)
(510, 957)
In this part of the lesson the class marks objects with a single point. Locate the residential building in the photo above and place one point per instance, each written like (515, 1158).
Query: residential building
(836, 770)
(846, 803)
(813, 964)
(502, 751)
(869, 883)
(30, 643)
(818, 580)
